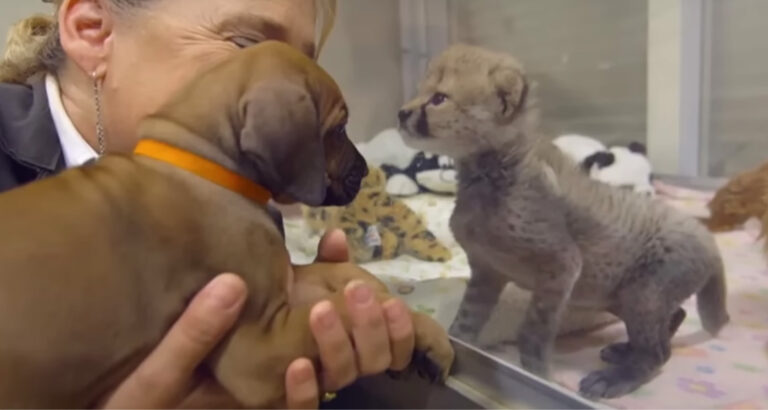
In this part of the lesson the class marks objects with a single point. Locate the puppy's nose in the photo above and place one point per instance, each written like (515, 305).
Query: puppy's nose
(403, 115)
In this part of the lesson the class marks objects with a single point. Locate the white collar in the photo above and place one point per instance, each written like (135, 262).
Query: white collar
(76, 150)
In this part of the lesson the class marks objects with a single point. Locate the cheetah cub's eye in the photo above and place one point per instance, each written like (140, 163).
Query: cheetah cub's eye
(438, 98)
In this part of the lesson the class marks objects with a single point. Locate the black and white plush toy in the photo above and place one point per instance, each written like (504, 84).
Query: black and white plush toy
(426, 173)
(409, 172)
(624, 167)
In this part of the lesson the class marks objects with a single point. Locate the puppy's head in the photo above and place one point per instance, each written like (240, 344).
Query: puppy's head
(294, 132)
(470, 99)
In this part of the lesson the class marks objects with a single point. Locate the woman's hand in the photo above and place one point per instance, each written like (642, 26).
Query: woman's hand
(170, 376)
(382, 333)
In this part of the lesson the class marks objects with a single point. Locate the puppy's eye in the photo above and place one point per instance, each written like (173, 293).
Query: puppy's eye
(339, 131)
(243, 42)
(438, 98)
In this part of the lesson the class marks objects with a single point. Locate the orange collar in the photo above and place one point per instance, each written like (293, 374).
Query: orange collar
(203, 168)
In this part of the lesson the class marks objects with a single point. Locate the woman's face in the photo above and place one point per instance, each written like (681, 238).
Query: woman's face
(158, 49)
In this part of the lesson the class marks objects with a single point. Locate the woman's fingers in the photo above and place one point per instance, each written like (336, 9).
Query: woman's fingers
(369, 329)
(301, 387)
(333, 247)
(337, 355)
(401, 335)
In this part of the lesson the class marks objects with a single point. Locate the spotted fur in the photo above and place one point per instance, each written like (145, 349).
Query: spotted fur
(526, 213)
(400, 230)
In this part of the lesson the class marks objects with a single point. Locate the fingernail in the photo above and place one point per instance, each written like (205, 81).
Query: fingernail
(304, 375)
(362, 295)
(394, 312)
(224, 292)
(327, 316)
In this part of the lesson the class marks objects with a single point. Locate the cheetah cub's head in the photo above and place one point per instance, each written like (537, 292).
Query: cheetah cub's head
(471, 99)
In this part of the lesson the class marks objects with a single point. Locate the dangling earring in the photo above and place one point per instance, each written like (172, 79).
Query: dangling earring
(99, 122)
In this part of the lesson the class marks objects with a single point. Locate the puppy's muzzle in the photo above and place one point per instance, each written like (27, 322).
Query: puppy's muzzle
(403, 116)
(346, 170)
(344, 190)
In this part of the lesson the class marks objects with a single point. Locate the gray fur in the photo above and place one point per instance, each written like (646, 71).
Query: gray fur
(525, 213)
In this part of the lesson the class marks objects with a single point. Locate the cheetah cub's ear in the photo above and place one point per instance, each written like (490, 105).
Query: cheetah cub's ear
(511, 89)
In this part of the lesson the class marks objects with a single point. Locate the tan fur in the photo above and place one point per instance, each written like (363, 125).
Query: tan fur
(400, 230)
(744, 197)
(133, 239)
(23, 44)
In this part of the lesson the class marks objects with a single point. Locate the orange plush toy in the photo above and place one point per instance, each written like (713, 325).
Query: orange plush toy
(744, 197)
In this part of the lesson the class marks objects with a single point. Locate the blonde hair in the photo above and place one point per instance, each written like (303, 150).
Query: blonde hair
(33, 46)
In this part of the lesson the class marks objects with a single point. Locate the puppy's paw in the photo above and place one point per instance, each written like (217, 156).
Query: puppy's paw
(423, 366)
(434, 355)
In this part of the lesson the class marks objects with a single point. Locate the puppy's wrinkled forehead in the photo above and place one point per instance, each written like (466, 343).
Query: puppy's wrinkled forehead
(331, 107)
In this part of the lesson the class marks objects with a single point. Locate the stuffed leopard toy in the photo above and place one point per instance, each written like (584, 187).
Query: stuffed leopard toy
(378, 227)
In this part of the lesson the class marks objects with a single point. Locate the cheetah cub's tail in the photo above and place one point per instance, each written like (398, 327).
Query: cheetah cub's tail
(710, 302)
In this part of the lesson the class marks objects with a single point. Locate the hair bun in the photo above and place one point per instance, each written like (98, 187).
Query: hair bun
(23, 45)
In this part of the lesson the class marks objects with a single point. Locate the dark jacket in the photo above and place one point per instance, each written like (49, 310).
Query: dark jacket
(29, 144)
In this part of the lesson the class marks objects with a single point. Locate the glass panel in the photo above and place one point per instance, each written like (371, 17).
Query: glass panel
(739, 87)
(590, 62)
(589, 58)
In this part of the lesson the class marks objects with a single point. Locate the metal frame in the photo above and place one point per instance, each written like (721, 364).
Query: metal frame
(706, 87)
(494, 383)
(677, 81)
(424, 32)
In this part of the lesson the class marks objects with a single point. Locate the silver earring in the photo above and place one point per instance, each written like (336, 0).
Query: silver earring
(99, 121)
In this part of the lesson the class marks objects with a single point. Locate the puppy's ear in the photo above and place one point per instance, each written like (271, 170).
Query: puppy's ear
(281, 137)
(511, 90)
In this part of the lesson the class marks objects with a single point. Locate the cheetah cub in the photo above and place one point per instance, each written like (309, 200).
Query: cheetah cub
(525, 213)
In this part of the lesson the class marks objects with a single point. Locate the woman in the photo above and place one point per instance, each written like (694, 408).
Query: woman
(90, 76)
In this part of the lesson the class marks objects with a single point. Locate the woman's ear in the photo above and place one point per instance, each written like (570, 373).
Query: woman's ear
(85, 29)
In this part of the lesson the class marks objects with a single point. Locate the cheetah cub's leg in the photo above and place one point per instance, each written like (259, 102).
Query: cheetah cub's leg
(617, 353)
(483, 290)
(649, 330)
(557, 273)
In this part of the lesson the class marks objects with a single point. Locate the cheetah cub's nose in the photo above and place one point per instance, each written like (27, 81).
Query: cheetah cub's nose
(403, 115)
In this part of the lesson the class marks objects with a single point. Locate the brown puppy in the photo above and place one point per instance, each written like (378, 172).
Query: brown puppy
(136, 237)
(744, 197)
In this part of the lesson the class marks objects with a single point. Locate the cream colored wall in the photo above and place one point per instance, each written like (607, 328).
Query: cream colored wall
(589, 57)
(12, 11)
(363, 55)
(739, 104)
